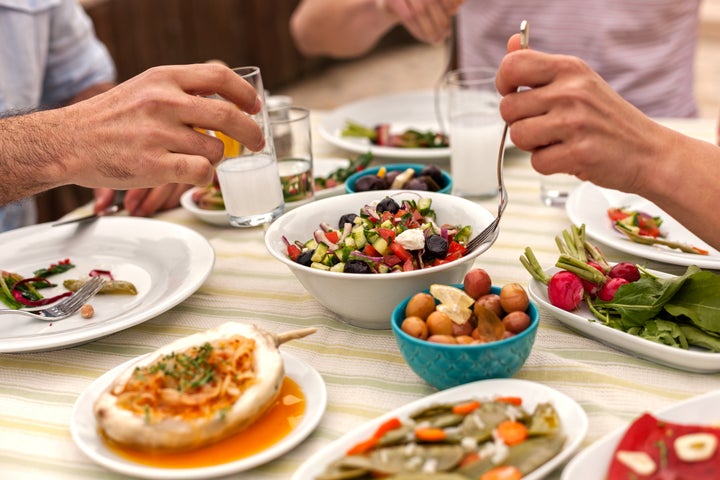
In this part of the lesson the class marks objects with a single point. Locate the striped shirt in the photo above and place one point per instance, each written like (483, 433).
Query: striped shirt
(645, 49)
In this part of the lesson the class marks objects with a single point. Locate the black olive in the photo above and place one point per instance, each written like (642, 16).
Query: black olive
(432, 171)
(305, 258)
(387, 204)
(356, 266)
(347, 218)
(435, 247)
(416, 184)
(369, 182)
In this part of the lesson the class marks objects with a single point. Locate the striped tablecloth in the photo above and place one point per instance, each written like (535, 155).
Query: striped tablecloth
(363, 370)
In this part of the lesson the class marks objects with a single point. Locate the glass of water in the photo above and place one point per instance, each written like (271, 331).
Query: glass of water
(249, 181)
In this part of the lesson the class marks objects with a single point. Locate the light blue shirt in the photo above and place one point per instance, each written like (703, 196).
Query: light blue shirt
(48, 54)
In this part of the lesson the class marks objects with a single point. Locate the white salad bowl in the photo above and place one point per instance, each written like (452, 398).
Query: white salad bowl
(368, 300)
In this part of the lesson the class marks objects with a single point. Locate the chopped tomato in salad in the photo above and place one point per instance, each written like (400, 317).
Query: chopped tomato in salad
(384, 237)
(638, 222)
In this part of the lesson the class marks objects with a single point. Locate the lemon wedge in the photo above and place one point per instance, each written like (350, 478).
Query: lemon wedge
(454, 302)
(451, 296)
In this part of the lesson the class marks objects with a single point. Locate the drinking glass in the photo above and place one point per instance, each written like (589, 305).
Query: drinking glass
(291, 133)
(556, 188)
(249, 181)
(476, 128)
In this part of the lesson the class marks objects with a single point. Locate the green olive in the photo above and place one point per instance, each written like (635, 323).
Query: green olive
(420, 305)
(415, 327)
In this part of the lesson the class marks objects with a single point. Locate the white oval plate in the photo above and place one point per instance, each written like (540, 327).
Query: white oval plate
(582, 321)
(400, 110)
(166, 262)
(85, 434)
(592, 463)
(589, 203)
(321, 167)
(573, 418)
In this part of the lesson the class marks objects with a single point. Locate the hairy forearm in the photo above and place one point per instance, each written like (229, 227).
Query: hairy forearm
(684, 183)
(30, 161)
(339, 29)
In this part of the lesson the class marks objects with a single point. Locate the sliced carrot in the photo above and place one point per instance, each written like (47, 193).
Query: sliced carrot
(430, 434)
(506, 472)
(517, 401)
(465, 408)
(363, 446)
(469, 458)
(512, 432)
(391, 424)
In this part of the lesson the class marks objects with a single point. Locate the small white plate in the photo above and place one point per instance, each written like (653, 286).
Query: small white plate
(583, 321)
(321, 168)
(166, 262)
(85, 434)
(589, 203)
(400, 110)
(573, 418)
(592, 463)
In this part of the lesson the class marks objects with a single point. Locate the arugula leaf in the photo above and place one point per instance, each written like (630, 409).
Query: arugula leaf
(662, 331)
(699, 301)
(643, 300)
(698, 338)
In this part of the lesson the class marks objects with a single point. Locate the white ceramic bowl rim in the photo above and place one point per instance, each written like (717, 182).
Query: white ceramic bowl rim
(274, 244)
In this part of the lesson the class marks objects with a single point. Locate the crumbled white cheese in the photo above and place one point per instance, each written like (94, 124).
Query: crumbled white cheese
(411, 239)
(430, 466)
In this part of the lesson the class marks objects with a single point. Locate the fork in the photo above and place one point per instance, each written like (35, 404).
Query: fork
(65, 307)
(490, 233)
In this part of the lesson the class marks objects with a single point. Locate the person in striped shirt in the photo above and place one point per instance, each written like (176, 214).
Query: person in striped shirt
(644, 49)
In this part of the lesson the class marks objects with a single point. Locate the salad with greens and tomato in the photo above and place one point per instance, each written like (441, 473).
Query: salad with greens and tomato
(385, 236)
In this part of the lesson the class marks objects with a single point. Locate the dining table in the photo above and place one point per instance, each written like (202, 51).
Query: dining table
(363, 371)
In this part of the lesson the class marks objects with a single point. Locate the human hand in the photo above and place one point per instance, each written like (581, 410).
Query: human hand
(141, 133)
(143, 202)
(573, 122)
(429, 21)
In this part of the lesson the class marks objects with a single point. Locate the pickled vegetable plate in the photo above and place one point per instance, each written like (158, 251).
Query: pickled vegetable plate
(592, 463)
(572, 417)
(582, 321)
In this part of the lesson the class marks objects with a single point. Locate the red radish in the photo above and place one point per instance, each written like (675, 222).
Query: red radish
(592, 288)
(626, 270)
(565, 290)
(607, 292)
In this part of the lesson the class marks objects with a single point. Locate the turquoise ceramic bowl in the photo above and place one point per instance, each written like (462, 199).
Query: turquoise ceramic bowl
(444, 366)
(445, 186)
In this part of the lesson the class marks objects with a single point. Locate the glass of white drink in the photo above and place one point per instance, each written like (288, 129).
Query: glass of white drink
(249, 181)
(475, 125)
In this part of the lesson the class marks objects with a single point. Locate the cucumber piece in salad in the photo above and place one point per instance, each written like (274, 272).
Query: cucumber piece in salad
(385, 236)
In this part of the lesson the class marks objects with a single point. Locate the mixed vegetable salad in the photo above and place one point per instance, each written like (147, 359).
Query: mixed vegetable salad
(678, 311)
(382, 136)
(482, 439)
(641, 227)
(18, 292)
(384, 237)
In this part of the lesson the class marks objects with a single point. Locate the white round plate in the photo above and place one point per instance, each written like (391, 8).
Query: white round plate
(85, 434)
(166, 262)
(592, 463)
(589, 203)
(321, 168)
(573, 418)
(583, 321)
(400, 110)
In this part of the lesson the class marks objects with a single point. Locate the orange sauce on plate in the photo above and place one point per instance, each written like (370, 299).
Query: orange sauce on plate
(277, 422)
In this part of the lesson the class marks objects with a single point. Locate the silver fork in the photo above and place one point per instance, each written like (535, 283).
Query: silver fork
(65, 307)
(490, 233)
